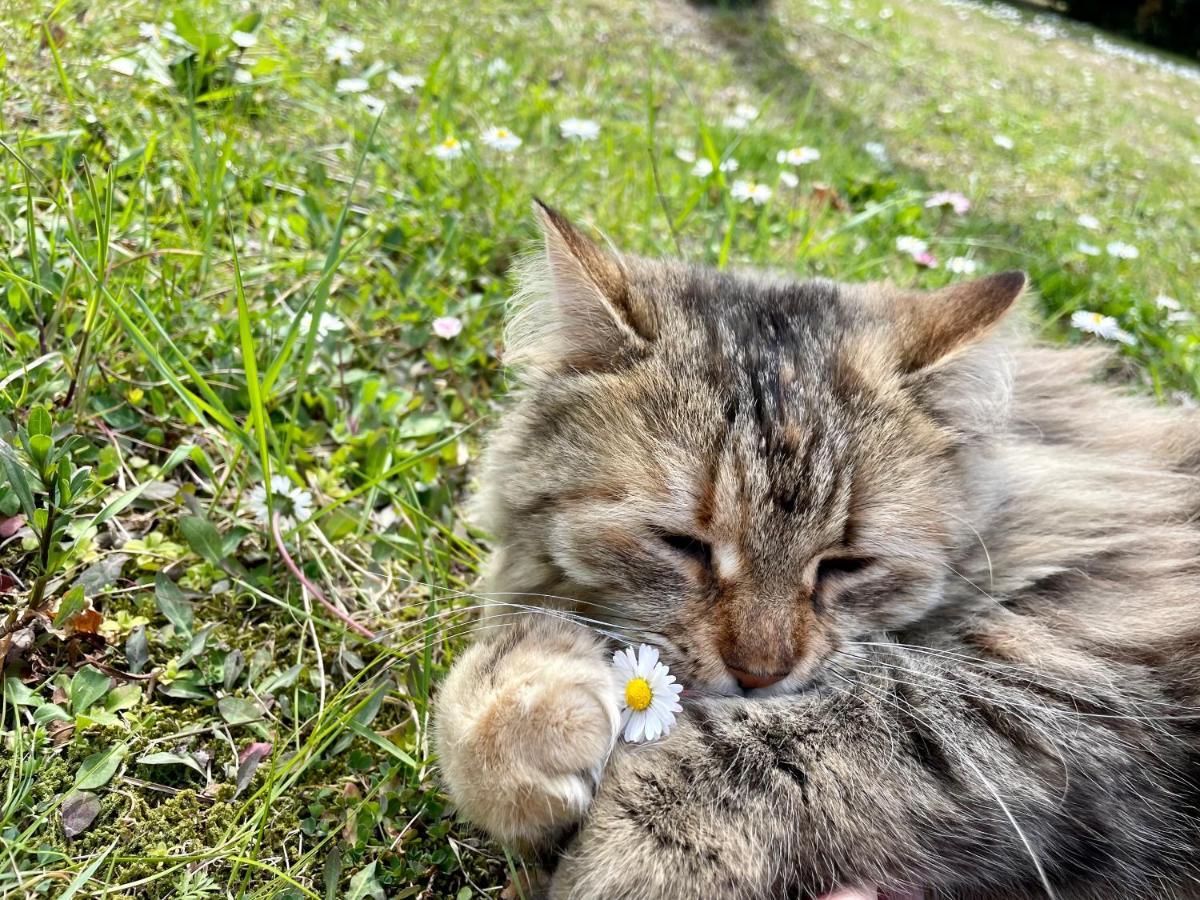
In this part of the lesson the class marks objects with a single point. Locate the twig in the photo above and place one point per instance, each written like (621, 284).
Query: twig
(303, 579)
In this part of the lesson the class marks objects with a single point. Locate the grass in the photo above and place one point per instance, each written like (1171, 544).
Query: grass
(219, 265)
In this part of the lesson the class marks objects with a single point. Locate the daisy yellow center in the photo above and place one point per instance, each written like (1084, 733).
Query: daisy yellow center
(638, 694)
(1097, 318)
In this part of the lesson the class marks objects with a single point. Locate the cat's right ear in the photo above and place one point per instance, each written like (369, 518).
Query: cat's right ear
(575, 308)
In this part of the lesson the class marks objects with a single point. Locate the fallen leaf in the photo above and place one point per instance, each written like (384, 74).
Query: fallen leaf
(10, 526)
(79, 810)
(248, 761)
(237, 711)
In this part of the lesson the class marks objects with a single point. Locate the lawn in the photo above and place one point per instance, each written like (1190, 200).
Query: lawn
(254, 258)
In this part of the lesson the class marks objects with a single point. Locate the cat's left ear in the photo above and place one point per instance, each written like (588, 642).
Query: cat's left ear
(933, 328)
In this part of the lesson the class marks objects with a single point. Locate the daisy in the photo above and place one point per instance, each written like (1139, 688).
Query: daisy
(450, 148)
(352, 85)
(373, 104)
(750, 190)
(580, 129)
(703, 167)
(447, 327)
(501, 139)
(291, 504)
(953, 199)
(1091, 223)
(1101, 326)
(911, 245)
(876, 151)
(244, 39)
(926, 259)
(685, 154)
(1087, 249)
(729, 166)
(342, 50)
(1121, 250)
(405, 83)
(649, 695)
(788, 179)
(498, 66)
(961, 265)
(798, 156)
(1162, 301)
(326, 325)
(743, 115)
(1004, 141)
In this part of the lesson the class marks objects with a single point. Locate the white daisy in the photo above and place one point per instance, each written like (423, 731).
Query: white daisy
(450, 148)
(798, 156)
(1087, 249)
(405, 83)
(685, 154)
(342, 49)
(743, 114)
(788, 179)
(580, 129)
(1162, 301)
(750, 190)
(649, 695)
(501, 139)
(352, 85)
(876, 151)
(447, 327)
(291, 504)
(244, 39)
(498, 66)
(1091, 223)
(1004, 141)
(729, 166)
(1101, 326)
(703, 167)
(913, 246)
(1121, 250)
(961, 265)
(373, 104)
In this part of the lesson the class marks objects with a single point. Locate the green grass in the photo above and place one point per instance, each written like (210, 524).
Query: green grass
(178, 214)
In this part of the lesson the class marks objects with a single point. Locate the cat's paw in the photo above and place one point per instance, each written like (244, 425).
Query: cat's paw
(523, 735)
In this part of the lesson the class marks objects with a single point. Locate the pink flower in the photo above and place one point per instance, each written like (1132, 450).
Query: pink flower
(953, 199)
(447, 327)
(926, 259)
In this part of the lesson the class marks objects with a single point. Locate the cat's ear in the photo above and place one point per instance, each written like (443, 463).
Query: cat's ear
(932, 328)
(576, 307)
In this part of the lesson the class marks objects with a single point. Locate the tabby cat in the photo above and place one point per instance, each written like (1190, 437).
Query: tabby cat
(932, 591)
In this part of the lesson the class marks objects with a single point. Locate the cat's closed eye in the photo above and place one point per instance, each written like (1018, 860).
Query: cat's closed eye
(687, 545)
(832, 568)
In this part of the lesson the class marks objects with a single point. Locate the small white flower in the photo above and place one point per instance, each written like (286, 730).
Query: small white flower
(352, 85)
(649, 696)
(876, 151)
(244, 39)
(788, 179)
(742, 115)
(1121, 250)
(291, 504)
(750, 190)
(685, 154)
(1004, 141)
(798, 156)
(913, 246)
(953, 199)
(501, 139)
(1087, 249)
(498, 66)
(123, 66)
(729, 166)
(886, 13)
(580, 129)
(373, 104)
(342, 49)
(405, 83)
(1091, 223)
(326, 325)
(450, 148)
(961, 265)
(703, 167)
(148, 31)
(242, 76)
(1162, 301)
(447, 327)
(1101, 326)
(1181, 317)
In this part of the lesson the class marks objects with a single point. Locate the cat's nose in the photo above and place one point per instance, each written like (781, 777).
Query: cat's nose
(749, 680)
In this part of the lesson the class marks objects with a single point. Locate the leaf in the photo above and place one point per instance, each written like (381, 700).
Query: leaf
(87, 686)
(18, 694)
(50, 712)
(126, 696)
(165, 758)
(100, 575)
(198, 642)
(364, 885)
(173, 604)
(39, 422)
(332, 874)
(203, 538)
(188, 685)
(137, 651)
(98, 769)
(72, 602)
(280, 680)
(9, 527)
(238, 711)
(248, 761)
(16, 478)
(79, 811)
(235, 661)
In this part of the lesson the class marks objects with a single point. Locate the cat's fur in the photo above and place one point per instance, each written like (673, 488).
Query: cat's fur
(979, 568)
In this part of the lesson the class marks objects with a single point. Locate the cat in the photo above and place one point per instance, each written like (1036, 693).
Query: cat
(933, 592)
